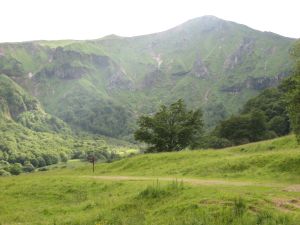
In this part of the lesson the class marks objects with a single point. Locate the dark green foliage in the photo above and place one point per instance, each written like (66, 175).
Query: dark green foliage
(213, 141)
(262, 117)
(272, 103)
(172, 128)
(244, 128)
(41, 161)
(87, 112)
(293, 95)
(50, 158)
(28, 167)
(280, 125)
(15, 169)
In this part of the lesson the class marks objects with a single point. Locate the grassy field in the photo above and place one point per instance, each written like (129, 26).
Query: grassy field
(255, 184)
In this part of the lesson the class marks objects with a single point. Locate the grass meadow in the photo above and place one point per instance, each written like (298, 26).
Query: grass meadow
(254, 184)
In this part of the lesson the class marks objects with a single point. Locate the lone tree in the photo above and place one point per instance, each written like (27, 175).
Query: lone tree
(172, 128)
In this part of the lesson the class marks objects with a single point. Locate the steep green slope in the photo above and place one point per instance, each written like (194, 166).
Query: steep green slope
(31, 138)
(102, 85)
(19, 106)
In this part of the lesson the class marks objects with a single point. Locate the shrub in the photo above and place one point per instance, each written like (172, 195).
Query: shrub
(216, 142)
(15, 169)
(41, 161)
(63, 157)
(28, 167)
(4, 173)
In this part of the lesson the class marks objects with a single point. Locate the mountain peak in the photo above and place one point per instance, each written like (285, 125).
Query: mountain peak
(111, 36)
(205, 19)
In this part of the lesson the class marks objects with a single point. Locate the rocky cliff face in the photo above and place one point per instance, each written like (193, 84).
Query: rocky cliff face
(244, 50)
(199, 68)
(203, 61)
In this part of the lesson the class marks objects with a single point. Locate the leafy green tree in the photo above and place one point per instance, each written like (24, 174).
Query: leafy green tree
(172, 128)
(271, 102)
(279, 125)
(293, 95)
(244, 128)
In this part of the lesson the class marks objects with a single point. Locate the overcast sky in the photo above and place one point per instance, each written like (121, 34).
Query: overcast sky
(23, 20)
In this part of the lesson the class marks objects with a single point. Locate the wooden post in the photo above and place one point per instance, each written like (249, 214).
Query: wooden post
(93, 164)
(92, 159)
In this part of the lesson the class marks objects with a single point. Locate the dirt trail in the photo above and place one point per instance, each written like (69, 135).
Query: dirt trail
(293, 188)
(192, 181)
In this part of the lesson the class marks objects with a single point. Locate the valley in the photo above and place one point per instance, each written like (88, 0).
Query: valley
(195, 125)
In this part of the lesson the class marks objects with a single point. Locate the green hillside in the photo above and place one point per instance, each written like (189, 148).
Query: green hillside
(17, 105)
(276, 159)
(101, 86)
(254, 184)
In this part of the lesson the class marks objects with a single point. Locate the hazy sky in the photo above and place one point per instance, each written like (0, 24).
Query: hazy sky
(23, 20)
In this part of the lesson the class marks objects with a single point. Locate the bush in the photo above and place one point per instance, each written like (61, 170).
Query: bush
(217, 143)
(3, 163)
(4, 173)
(28, 167)
(280, 125)
(244, 128)
(41, 161)
(34, 162)
(15, 169)
(63, 157)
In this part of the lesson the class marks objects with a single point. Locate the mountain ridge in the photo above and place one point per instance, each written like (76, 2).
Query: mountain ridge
(209, 62)
(113, 35)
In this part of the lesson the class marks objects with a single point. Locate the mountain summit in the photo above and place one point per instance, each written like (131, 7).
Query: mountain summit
(102, 85)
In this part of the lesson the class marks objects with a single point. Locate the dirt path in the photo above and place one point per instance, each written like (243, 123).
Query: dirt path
(185, 180)
(293, 188)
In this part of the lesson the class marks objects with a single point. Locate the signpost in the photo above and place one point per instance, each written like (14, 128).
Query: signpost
(92, 159)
